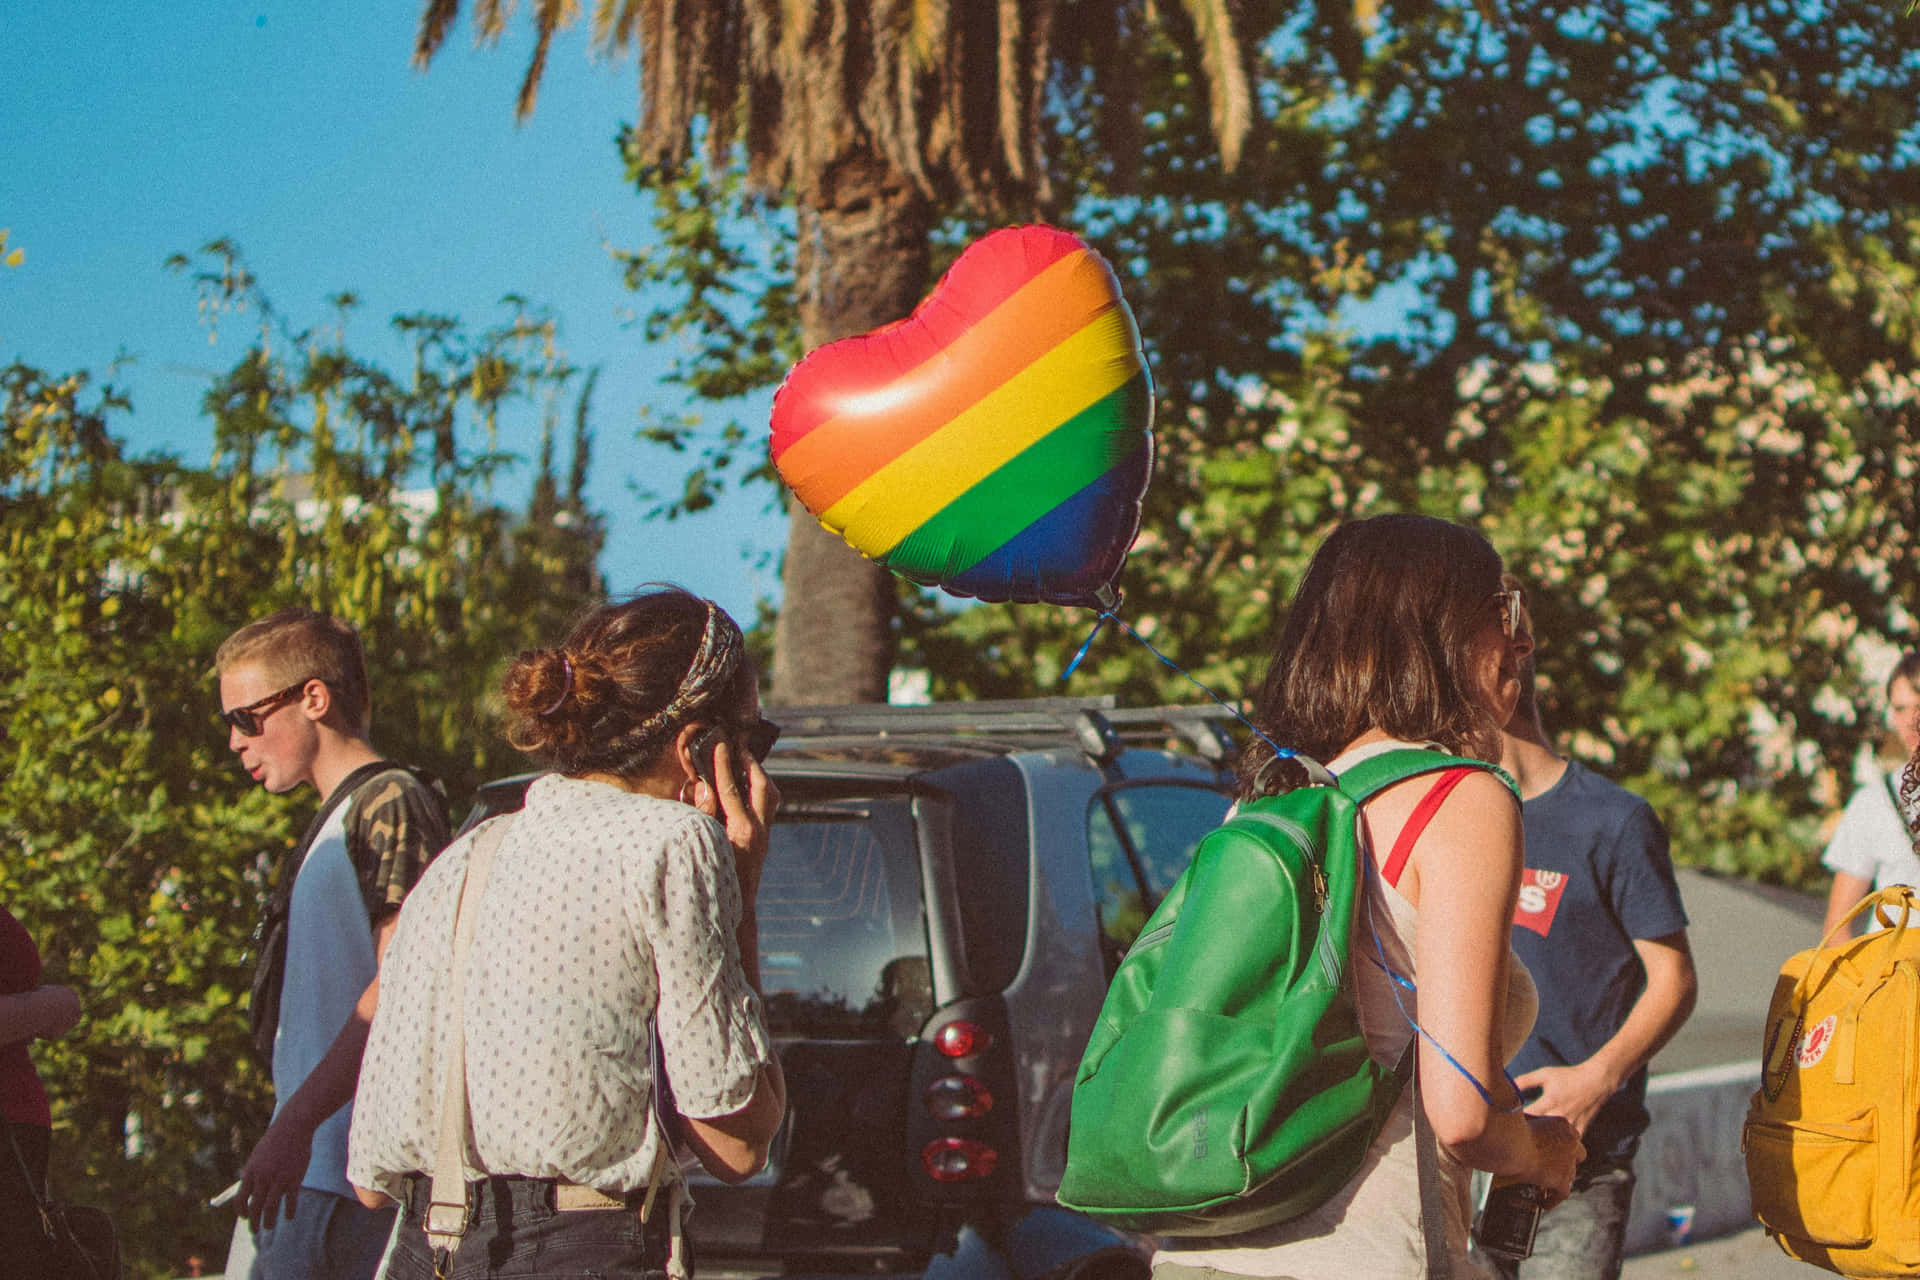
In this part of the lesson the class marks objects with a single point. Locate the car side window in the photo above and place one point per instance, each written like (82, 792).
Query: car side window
(1140, 837)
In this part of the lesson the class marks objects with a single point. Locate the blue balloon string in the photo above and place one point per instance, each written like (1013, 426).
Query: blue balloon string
(1108, 615)
(1105, 617)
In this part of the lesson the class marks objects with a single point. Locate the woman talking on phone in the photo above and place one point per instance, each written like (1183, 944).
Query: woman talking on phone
(618, 901)
(1402, 633)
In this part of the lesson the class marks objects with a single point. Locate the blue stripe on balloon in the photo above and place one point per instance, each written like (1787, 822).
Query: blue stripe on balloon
(1068, 554)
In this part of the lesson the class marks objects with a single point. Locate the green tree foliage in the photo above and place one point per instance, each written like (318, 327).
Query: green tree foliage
(1627, 285)
(136, 853)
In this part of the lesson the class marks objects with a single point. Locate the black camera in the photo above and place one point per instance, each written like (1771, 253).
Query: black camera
(1506, 1223)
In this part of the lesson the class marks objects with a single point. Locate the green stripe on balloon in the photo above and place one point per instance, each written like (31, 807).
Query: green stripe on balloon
(1025, 487)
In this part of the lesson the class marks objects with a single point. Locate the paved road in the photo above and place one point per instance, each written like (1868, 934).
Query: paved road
(1748, 1255)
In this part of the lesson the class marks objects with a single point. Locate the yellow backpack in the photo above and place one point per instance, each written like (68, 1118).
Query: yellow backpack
(1832, 1137)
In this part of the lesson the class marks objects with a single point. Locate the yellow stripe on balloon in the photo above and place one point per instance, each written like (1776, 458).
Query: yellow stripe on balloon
(917, 403)
(903, 495)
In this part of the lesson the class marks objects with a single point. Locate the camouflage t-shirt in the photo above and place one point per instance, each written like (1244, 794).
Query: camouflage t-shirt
(396, 823)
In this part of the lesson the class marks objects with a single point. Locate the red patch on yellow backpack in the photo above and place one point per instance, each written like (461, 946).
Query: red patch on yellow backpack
(1813, 1045)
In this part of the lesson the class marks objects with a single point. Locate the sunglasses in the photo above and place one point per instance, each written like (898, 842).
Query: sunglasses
(1513, 607)
(760, 737)
(251, 720)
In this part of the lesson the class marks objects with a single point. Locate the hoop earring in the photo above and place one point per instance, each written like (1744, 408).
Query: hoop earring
(684, 796)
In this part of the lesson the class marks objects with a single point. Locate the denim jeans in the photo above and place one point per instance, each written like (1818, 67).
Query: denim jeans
(329, 1238)
(1582, 1238)
(513, 1230)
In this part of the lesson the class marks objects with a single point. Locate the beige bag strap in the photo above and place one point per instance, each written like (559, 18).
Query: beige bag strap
(447, 1205)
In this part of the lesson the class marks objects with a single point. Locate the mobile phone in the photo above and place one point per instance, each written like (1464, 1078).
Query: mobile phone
(1506, 1223)
(702, 749)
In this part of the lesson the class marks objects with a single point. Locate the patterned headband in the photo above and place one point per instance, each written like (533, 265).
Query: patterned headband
(714, 663)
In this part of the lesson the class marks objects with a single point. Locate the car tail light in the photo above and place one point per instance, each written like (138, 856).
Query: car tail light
(962, 1039)
(958, 1098)
(958, 1160)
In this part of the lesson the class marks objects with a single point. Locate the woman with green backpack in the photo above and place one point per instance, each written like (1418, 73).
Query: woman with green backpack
(1404, 634)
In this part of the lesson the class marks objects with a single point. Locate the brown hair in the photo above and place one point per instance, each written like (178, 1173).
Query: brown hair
(1908, 669)
(1378, 636)
(301, 644)
(604, 701)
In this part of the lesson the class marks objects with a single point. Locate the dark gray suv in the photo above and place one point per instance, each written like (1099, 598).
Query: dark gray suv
(946, 892)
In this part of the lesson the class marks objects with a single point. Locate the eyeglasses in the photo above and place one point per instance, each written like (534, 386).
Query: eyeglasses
(251, 720)
(760, 737)
(1512, 599)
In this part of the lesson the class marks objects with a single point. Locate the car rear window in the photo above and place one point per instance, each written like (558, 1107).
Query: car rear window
(843, 945)
(1140, 837)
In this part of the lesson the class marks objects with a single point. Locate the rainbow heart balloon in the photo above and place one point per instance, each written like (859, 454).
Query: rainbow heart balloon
(995, 443)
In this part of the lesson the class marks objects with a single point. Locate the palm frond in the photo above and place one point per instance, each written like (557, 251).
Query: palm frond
(763, 18)
(1039, 63)
(722, 58)
(434, 21)
(797, 18)
(1223, 59)
(616, 25)
(886, 97)
(490, 19)
(1010, 84)
(928, 28)
(549, 16)
(663, 118)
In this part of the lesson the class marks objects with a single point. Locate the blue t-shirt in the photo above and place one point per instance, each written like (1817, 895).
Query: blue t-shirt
(1598, 877)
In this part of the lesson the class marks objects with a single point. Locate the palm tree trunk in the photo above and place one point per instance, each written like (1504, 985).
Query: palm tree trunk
(862, 262)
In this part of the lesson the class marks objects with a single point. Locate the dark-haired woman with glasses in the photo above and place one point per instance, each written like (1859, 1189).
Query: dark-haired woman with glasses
(1404, 632)
(619, 900)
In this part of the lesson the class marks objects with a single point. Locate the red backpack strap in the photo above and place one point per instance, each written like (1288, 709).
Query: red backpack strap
(1416, 824)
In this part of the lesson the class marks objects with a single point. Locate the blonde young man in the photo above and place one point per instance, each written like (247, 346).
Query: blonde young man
(293, 692)
(1601, 928)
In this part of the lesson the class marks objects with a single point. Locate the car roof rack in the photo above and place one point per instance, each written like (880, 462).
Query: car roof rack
(1096, 724)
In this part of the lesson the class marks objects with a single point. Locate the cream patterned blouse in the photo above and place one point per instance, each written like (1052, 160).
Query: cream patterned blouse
(602, 905)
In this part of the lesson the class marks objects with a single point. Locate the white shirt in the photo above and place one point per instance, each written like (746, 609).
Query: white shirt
(1871, 841)
(601, 907)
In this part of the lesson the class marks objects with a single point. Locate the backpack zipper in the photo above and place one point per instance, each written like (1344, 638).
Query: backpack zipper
(1151, 936)
(1301, 841)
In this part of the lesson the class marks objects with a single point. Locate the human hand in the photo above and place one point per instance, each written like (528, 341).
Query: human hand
(273, 1172)
(1576, 1093)
(1557, 1152)
(747, 814)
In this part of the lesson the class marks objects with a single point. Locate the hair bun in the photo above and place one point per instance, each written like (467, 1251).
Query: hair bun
(539, 683)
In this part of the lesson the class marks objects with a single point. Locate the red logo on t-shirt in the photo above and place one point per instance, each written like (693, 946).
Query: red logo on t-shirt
(1539, 899)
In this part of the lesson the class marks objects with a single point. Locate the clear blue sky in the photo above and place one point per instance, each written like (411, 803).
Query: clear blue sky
(301, 131)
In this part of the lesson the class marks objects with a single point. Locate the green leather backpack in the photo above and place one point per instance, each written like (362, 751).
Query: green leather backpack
(1226, 1085)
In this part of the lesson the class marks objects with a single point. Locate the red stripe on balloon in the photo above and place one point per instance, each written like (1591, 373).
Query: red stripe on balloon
(992, 271)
